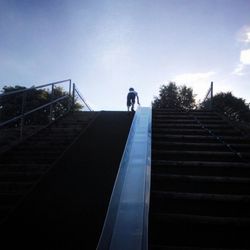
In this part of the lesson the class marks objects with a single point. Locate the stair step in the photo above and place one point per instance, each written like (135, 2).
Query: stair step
(200, 163)
(163, 124)
(172, 122)
(185, 116)
(199, 146)
(189, 121)
(35, 153)
(172, 131)
(200, 184)
(30, 156)
(172, 111)
(202, 168)
(162, 247)
(37, 149)
(45, 144)
(193, 112)
(19, 177)
(203, 220)
(198, 131)
(201, 138)
(24, 168)
(34, 160)
(183, 138)
(14, 187)
(64, 129)
(197, 231)
(10, 199)
(54, 136)
(216, 205)
(192, 178)
(172, 116)
(51, 139)
(4, 210)
(194, 155)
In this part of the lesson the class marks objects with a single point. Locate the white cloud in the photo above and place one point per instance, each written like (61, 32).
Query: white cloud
(239, 70)
(243, 66)
(244, 34)
(193, 77)
(248, 37)
(245, 56)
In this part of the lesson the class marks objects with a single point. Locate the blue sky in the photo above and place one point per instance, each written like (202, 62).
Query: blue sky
(107, 46)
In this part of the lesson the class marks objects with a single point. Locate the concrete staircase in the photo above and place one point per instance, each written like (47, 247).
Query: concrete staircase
(55, 187)
(24, 165)
(200, 182)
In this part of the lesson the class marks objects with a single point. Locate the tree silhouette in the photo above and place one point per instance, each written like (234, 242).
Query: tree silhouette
(11, 105)
(233, 107)
(173, 97)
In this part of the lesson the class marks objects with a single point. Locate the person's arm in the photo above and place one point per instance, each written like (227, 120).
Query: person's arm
(138, 99)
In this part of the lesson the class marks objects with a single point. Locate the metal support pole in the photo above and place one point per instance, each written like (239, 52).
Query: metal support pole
(69, 87)
(211, 99)
(51, 106)
(70, 95)
(1, 105)
(73, 95)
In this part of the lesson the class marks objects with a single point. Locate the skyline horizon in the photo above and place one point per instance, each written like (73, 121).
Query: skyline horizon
(197, 102)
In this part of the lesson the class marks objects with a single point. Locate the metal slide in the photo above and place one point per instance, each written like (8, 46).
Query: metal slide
(126, 223)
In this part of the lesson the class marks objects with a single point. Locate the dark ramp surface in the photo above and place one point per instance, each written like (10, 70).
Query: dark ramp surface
(66, 210)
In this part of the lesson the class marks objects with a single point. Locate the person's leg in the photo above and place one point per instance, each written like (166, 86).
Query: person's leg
(132, 107)
(133, 104)
(128, 103)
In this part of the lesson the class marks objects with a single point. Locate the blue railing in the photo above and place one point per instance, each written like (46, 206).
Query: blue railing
(126, 223)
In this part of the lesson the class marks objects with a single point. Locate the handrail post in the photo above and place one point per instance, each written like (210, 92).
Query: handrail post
(70, 96)
(73, 95)
(70, 87)
(211, 101)
(1, 110)
(51, 105)
(22, 114)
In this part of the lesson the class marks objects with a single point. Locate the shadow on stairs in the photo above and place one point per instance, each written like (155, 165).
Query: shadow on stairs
(55, 186)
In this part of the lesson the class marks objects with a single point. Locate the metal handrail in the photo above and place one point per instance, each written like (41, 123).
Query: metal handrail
(32, 111)
(24, 113)
(76, 91)
(219, 138)
(35, 87)
(209, 92)
(126, 223)
(70, 96)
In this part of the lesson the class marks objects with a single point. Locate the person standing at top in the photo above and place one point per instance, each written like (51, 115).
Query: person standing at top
(132, 94)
